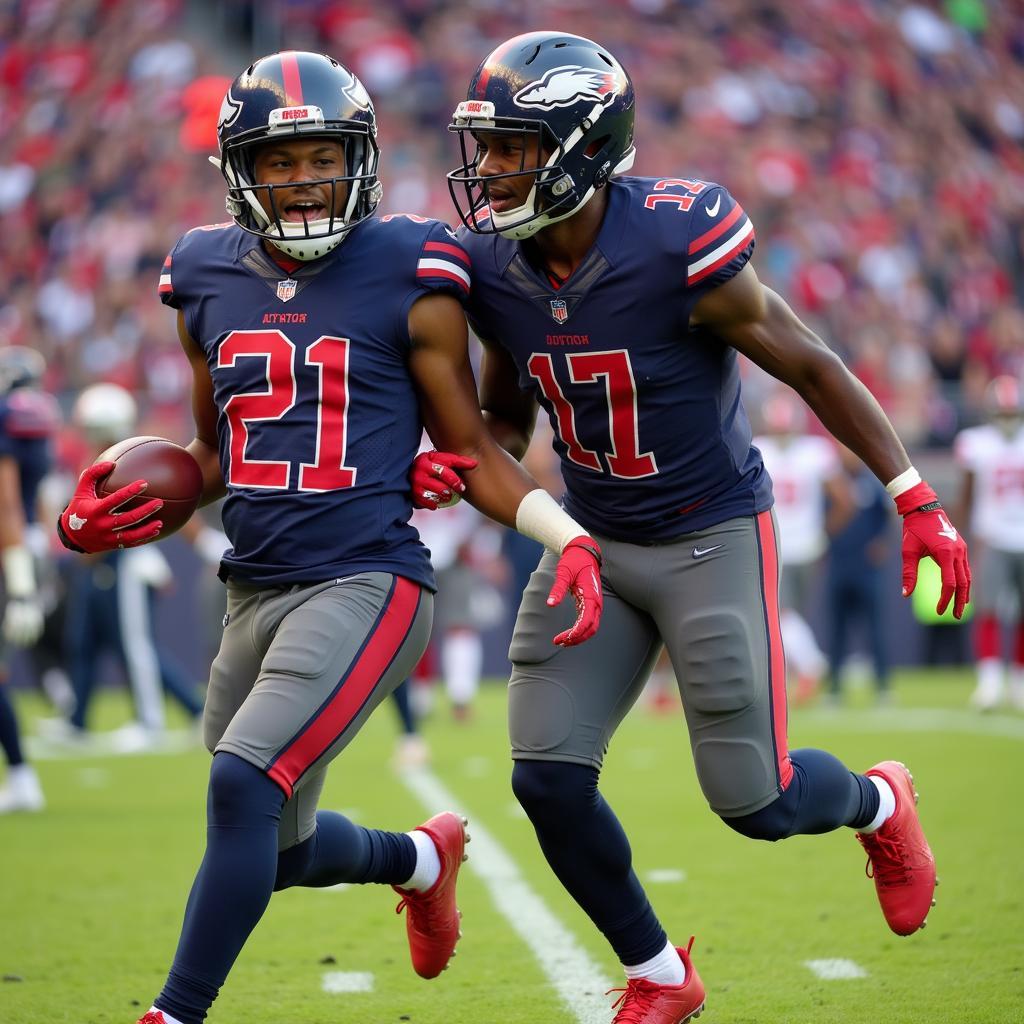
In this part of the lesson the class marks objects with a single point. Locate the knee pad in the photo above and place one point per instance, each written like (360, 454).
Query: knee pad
(770, 823)
(241, 794)
(553, 787)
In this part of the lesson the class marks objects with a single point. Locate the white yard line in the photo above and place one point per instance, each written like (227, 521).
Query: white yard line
(915, 720)
(576, 978)
(836, 969)
(346, 981)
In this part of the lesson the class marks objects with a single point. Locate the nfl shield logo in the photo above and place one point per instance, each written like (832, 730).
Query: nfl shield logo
(559, 310)
(286, 289)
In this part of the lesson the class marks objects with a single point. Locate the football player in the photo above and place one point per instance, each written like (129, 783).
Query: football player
(805, 473)
(322, 340)
(620, 305)
(991, 457)
(29, 418)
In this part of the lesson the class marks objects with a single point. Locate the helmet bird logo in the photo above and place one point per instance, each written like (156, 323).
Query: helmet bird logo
(562, 87)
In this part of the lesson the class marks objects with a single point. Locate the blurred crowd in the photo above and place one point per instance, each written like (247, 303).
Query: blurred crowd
(877, 145)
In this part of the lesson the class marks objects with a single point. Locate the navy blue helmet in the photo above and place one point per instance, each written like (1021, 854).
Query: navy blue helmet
(571, 101)
(290, 95)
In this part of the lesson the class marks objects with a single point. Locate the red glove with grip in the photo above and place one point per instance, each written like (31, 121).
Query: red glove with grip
(579, 572)
(92, 524)
(433, 479)
(927, 531)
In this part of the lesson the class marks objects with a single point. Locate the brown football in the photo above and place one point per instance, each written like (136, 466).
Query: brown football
(173, 475)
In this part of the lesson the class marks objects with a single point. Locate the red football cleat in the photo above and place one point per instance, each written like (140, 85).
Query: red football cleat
(432, 923)
(899, 859)
(152, 1017)
(644, 1002)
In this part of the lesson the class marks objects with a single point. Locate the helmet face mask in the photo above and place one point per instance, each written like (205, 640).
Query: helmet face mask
(564, 96)
(284, 98)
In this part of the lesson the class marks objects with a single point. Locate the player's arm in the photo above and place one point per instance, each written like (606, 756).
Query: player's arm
(495, 483)
(760, 324)
(965, 500)
(23, 617)
(510, 415)
(92, 523)
(203, 447)
(509, 412)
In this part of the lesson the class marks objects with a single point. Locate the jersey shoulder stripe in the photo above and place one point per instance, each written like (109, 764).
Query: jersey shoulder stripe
(445, 260)
(719, 245)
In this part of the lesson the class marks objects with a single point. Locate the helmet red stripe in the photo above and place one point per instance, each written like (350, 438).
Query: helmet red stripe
(292, 80)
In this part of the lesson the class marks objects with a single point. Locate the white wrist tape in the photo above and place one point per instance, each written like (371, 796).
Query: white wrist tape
(907, 479)
(541, 517)
(19, 572)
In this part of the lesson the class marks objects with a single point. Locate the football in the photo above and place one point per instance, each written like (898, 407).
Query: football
(173, 475)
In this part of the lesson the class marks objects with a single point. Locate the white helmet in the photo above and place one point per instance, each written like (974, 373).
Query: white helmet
(105, 413)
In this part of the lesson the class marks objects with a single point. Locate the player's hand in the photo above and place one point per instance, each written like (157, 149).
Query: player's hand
(23, 621)
(579, 572)
(91, 523)
(928, 531)
(433, 479)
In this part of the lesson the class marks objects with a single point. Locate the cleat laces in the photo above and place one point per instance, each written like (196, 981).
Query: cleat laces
(637, 998)
(888, 861)
(425, 912)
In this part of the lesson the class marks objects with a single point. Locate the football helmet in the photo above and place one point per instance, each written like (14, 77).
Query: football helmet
(104, 413)
(1004, 403)
(289, 95)
(571, 101)
(20, 367)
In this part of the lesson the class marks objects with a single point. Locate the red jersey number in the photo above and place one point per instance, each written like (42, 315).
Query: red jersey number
(625, 460)
(330, 355)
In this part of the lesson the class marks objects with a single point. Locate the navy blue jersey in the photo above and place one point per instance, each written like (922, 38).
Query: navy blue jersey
(646, 411)
(318, 418)
(28, 421)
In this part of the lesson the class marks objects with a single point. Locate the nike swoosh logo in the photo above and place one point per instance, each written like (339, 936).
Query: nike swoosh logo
(712, 211)
(701, 552)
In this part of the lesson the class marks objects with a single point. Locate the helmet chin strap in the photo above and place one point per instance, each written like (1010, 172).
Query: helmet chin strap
(521, 231)
(288, 236)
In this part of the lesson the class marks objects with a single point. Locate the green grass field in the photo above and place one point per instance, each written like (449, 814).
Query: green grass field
(94, 888)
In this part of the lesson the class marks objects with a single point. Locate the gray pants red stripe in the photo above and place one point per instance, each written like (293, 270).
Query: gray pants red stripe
(301, 668)
(712, 599)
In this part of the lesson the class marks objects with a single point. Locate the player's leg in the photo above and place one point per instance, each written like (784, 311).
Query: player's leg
(21, 790)
(720, 620)
(564, 706)
(298, 672)
(837, 603)
(989, 570)
(873, 603)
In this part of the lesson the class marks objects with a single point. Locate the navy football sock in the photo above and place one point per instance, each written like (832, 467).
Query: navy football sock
(589, 852)
(232, 888)
(341, 851)
(822, 796)
(10, 739)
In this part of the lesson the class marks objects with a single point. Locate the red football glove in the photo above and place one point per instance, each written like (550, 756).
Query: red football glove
(433, 478)
(91, 523)
(927, 531)
(579, 572)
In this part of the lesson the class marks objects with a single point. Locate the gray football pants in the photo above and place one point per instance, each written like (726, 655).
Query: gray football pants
(299, 671)
(712, 599)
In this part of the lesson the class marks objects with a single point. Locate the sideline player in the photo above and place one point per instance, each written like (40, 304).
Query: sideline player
(620, 305)
(806, 473)
(322, 340)
(29, 418)
(991, 457)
